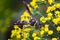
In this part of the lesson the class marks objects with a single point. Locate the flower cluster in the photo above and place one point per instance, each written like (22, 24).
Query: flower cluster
(50, 22)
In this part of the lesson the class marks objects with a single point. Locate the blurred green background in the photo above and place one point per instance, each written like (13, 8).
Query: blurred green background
(10, 11)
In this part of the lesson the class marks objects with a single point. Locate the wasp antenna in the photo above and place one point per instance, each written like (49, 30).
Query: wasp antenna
(26, 6)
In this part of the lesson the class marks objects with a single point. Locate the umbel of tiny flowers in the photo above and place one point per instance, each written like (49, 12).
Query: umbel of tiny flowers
(50, 28)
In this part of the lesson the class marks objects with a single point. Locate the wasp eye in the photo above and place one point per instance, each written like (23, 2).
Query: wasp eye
(32, 22)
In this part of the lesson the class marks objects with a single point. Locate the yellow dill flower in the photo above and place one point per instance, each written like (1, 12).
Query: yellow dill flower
(34, 0)
(26, 13)
(18, 31)
(41, 32)
(27, 29)
(25, 35)
(56, 21)
(36, 38)
(48, 9)
(23, 39)
(57, 13)
(16, 26)
(58, 16)
(43, 0)
(50, 32)
(57, 5)
(18, 36)
(46, 28)
(49, 14)
(25, 16)
(49, 18)
(42, 19)
(50, 1)
(54, 39)
(33, 4)
(13, 32)
(42, 28)
(34, 35)
(58, 28)
(53, 8)
(46, 25)
(22, 17)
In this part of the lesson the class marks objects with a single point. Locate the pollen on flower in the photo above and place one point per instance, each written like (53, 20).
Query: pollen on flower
(43, 19)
